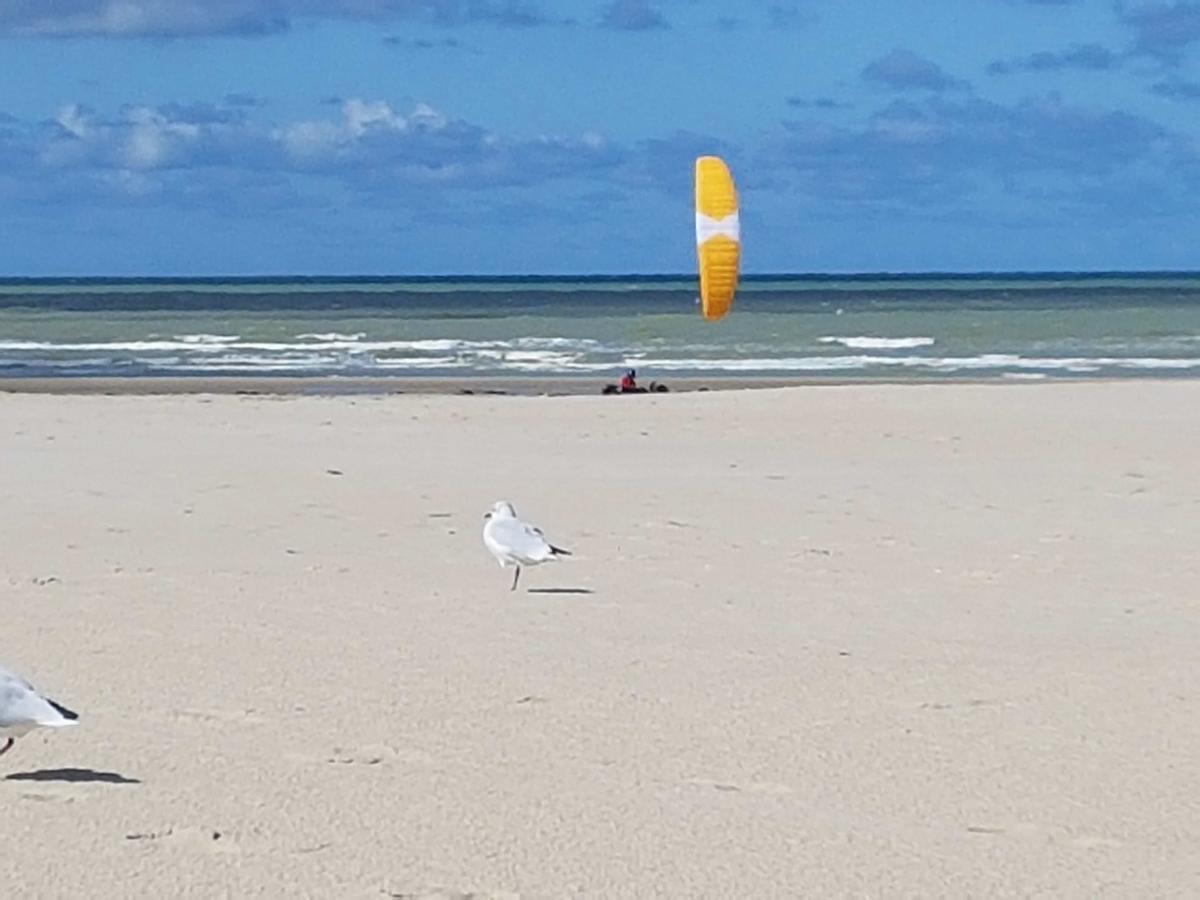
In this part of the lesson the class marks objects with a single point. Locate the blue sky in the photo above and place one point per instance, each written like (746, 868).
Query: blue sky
(157, 137)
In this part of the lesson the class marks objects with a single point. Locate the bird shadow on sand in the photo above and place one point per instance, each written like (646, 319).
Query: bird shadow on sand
(86, 776)
(560, 590)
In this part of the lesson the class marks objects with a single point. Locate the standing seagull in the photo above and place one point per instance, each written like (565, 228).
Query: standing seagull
(516, 543)
(22, 709)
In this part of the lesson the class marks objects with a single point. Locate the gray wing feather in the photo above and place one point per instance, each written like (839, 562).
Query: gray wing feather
(521, 539)
(20, 704)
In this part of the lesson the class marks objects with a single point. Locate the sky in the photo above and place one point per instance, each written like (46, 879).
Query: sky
(408, 137)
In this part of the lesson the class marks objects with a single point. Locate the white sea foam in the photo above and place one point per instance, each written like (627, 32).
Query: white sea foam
(951, 363)
(328, 341)
(863, 342)
(422, 362)
(115, 346)
(206, 338)
(330, 336)
(84, 363)
(352, 353)
(536, 356)
(276, 364)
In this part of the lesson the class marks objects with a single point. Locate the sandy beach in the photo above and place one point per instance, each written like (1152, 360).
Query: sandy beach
(515, 385)
(835, 641)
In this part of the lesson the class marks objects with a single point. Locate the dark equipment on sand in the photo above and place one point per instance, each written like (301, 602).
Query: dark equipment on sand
(655, 388)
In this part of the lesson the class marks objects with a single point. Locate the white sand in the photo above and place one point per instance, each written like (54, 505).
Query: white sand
(841, 641)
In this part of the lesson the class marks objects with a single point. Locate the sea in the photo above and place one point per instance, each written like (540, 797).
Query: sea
(844, 327)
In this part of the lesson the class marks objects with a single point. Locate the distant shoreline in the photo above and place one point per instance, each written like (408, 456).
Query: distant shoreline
(516, 385)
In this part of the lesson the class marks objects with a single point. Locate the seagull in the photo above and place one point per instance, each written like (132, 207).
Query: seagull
(22, 709)
(516, 543)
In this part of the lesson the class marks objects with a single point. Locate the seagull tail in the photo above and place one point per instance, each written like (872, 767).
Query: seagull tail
(559, 551)
(70, 716)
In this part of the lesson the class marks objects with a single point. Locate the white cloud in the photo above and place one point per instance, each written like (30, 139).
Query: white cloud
(910, 155)
(365, 145)
(153, 140)
(1038, 153)
(189, 18)
(140, 139)
(73, 120)
(123, 18)
(317, 140)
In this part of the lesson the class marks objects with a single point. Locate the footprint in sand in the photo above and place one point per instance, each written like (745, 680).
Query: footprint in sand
(443, 894)
(366, 755)
(195, 837)
(1028, 831)
(770, 788)
(1096, 843)
(238, 716)
(47, 798)
(361, 756)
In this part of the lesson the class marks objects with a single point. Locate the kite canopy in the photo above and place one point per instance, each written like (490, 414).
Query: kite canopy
(718, 236)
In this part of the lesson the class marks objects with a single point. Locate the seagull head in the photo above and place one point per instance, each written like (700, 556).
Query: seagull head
(501, 509)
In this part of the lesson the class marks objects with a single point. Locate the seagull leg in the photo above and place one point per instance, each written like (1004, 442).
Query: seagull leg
(8, 746)
(516, 575)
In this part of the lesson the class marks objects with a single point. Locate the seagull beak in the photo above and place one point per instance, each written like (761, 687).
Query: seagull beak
(487, 515)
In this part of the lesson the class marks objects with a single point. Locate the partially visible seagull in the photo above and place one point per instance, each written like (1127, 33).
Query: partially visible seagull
(22, 709)
(516, 543)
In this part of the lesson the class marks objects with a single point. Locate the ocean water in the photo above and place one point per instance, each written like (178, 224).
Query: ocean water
(1026, 326)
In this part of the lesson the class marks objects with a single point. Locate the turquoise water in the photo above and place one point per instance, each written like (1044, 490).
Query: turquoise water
(911, 326)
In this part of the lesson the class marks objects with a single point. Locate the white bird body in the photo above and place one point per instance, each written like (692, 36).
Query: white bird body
(514, 542)
(23, 709)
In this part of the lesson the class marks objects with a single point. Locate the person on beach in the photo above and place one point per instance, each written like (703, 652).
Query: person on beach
(628, 385)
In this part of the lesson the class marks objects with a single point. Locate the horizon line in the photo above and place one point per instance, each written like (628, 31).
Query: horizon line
(601, 276)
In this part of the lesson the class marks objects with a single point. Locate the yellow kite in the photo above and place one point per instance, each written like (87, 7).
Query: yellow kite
(718, 236)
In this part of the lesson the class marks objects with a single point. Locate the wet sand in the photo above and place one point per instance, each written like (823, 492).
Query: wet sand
(517, 385)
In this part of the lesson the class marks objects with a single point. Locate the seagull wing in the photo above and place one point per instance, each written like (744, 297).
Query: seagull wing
(22, 706)
(521, 541)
